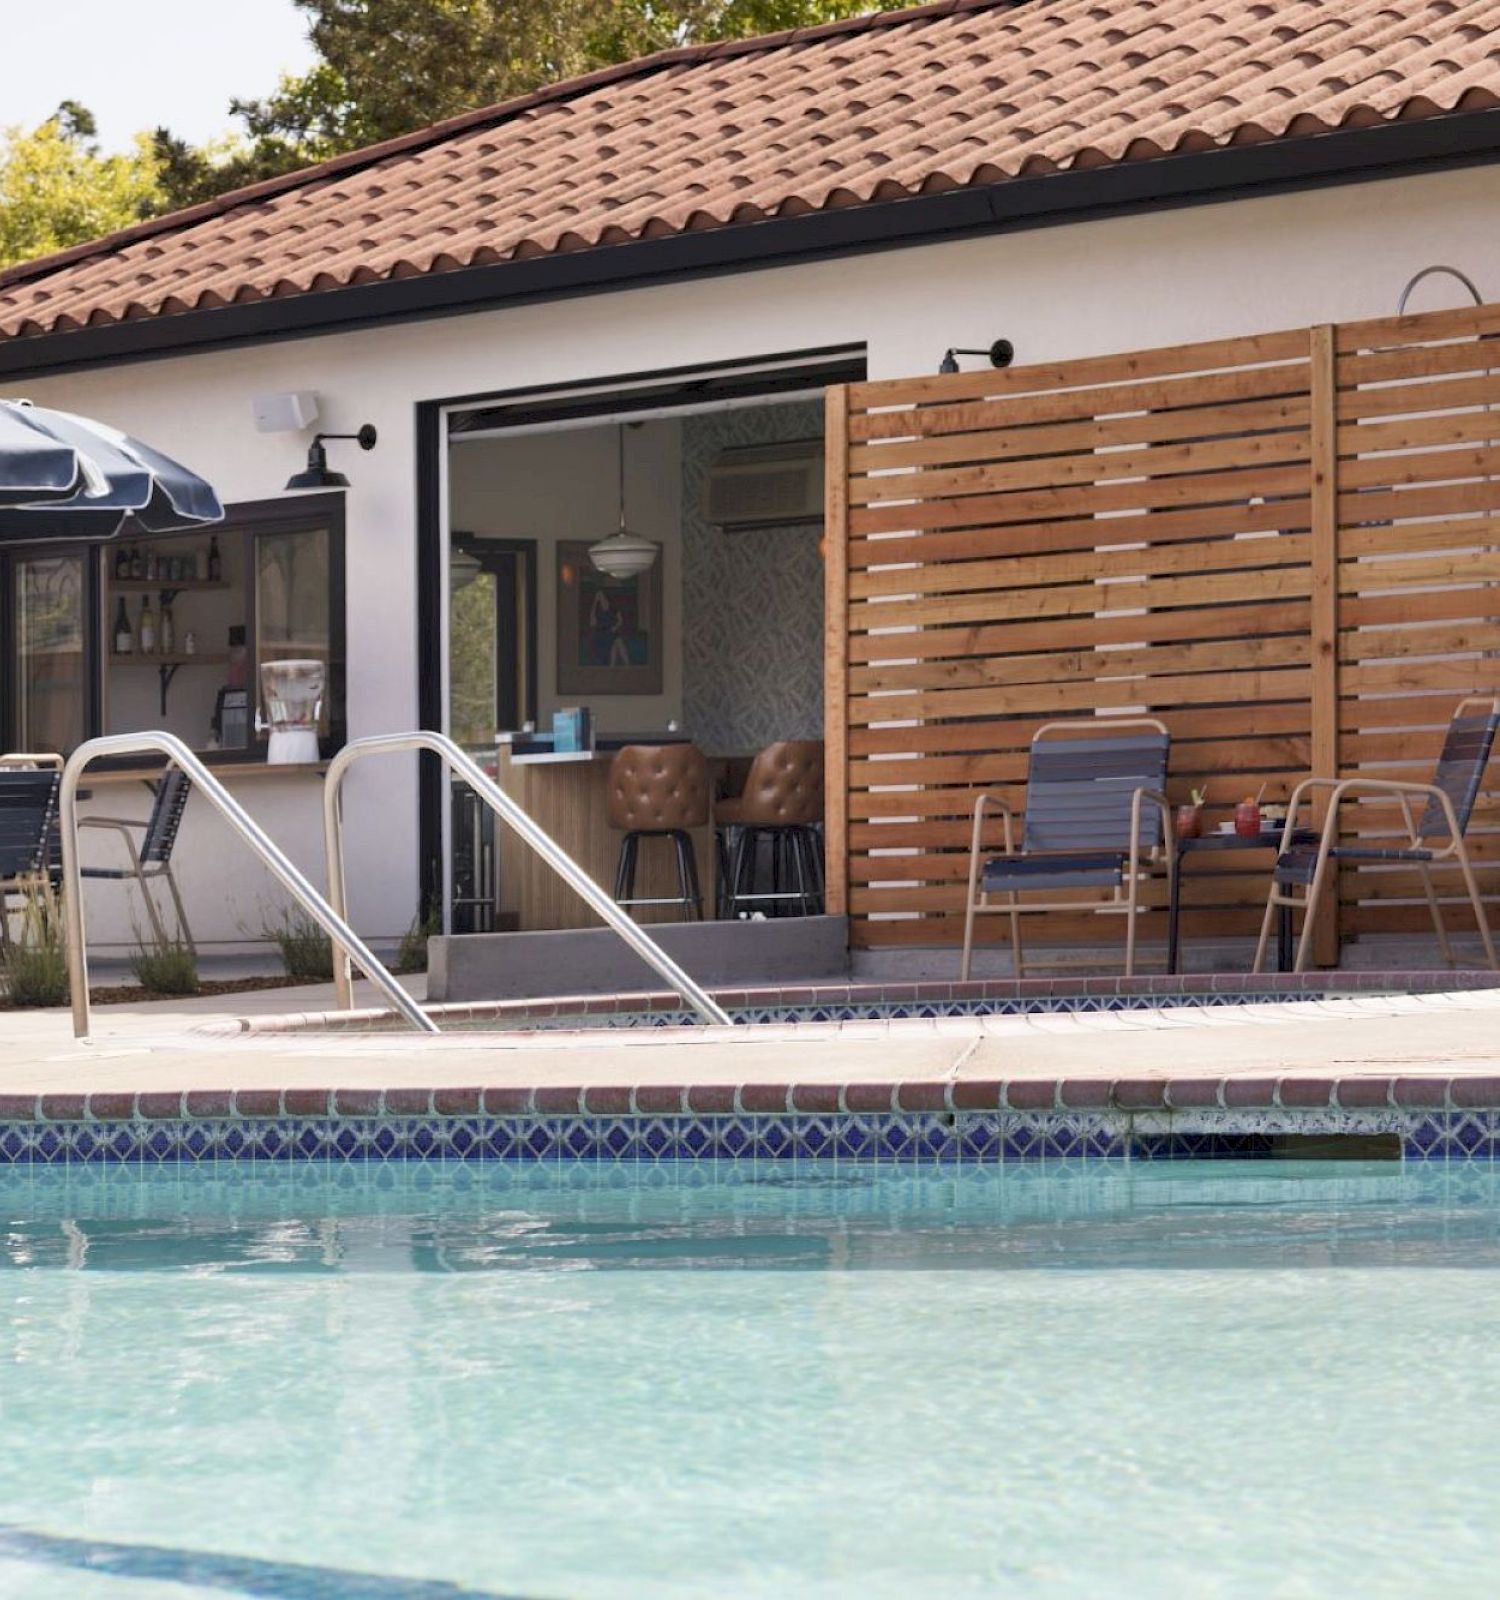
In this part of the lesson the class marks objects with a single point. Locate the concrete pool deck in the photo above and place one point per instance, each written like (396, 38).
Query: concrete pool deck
(1357, 1049)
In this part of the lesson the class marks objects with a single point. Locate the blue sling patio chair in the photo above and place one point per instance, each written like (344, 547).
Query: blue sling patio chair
(1097, 817)
(28, 811)
(1434, 838)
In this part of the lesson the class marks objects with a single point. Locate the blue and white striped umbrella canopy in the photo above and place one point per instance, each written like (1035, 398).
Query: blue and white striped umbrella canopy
(66, 477)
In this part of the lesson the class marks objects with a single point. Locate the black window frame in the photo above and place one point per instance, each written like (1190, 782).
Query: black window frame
(492, 554)
(246, 519)
(93, 635)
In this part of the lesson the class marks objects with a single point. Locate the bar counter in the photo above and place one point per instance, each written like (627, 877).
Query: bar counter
(227, 772)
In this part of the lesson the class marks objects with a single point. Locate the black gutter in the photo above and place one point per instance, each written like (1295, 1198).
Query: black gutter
(1273, 167)
(431, 781)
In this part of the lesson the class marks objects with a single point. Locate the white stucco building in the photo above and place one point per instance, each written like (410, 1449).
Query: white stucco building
(711, 232)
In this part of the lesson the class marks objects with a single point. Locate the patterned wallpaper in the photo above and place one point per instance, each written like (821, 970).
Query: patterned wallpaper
(752, 602)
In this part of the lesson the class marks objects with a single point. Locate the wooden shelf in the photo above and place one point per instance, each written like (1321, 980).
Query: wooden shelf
(204, 658)
(176, 585)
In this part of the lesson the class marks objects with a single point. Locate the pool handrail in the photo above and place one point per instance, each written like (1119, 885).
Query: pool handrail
(344, 938)
(461, 764)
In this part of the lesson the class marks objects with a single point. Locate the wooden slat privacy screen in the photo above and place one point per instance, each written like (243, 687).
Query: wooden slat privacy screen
(1277, 545)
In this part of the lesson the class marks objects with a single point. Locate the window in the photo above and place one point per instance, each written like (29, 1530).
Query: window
(169, 631)
(293, 617)
(48, 625)
(492, 639)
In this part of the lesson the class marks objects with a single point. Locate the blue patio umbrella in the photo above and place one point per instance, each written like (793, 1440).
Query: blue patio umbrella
(67, 477)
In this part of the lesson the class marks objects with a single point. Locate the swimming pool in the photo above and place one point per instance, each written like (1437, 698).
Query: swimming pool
(405, 1381)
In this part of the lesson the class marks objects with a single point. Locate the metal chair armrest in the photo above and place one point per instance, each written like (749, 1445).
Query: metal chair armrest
(120, 826)
(976, 838)
(993, 802)
(1168, 832)
(1394, 789)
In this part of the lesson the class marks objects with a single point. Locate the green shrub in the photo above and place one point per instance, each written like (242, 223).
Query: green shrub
(306, 951)
(165, 966)
(412, 956)
(34, 966)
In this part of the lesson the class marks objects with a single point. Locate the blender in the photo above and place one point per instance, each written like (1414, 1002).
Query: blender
(293, 696)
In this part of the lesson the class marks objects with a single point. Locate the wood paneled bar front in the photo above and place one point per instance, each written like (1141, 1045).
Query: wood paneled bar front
(567, 793)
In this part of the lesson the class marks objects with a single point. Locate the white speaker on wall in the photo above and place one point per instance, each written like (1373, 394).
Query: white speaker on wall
(285, 413)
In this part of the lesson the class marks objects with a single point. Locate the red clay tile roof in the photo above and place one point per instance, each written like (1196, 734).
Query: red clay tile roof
(964, 92)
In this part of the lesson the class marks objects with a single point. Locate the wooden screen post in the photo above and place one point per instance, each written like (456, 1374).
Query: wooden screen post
(1324, 651)
(836, 650)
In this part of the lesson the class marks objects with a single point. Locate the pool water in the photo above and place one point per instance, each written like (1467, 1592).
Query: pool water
(586, 1383)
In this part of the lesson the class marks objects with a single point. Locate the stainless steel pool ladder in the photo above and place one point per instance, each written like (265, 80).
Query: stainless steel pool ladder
(462, 765)
(345, 940)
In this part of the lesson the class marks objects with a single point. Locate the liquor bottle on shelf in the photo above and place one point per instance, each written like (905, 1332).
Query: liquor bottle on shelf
(137, 563)
(168, 631)
(215, 560)
(147, 630)
(122, 562)
(124, 635)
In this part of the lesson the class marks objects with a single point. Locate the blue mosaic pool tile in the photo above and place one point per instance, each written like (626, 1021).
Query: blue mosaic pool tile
(617, 1139)
(499, 1139)
(1425, 1139)
(1104, 1143)
(978, 1136)
(695, 1139)
(854, 1139)
(937, 1138)
(1021, 1139)
(124, 1144)
(813, 1137)
(654, 1141)
(720, 1142)
(896, 1138)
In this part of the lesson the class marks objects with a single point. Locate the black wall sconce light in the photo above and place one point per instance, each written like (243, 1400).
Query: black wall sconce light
(317, 474)
(1000, 354)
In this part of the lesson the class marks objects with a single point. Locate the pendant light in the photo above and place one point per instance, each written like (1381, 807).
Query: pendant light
(623, 554)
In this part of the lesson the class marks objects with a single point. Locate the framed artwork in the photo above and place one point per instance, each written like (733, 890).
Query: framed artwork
(609, 632)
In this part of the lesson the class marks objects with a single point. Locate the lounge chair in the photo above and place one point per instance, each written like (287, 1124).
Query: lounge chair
(28, 810)
(1097, 817)
(1450, 797)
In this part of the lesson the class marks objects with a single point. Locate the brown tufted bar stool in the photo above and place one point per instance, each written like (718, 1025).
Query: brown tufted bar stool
(659, 791)
(782, 804)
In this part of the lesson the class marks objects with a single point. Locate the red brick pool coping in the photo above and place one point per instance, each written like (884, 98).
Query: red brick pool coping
(1354, 1092)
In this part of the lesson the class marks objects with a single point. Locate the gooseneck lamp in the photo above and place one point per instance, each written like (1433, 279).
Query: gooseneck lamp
(317, 474)
(1000, 354)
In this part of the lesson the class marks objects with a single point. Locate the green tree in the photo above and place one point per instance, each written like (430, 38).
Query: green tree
(388, 66)
(57, 189)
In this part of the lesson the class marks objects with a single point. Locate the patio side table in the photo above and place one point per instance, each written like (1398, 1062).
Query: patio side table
(1270, 840)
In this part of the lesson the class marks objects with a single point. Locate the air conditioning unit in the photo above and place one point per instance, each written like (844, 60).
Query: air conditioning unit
(766, 486)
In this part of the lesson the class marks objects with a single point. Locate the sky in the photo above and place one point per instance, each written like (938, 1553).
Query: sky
(140, 63)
